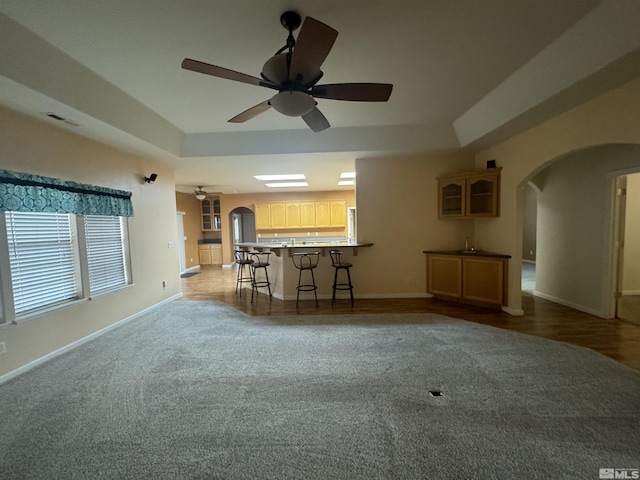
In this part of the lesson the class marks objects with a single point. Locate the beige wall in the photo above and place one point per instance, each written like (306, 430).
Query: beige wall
(631, 278)
(34, 146)
(192, 220)
(612, 118)
(397, 202)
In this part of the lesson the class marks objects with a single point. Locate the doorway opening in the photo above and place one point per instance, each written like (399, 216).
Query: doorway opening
(243, 225)
(627, 246)
(529, 238)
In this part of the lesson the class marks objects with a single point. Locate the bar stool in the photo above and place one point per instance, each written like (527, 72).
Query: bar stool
(338, 264)
(306, 261)
(259, 260)
(242, 260)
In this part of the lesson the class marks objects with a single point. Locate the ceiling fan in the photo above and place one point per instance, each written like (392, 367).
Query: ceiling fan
(294, 72)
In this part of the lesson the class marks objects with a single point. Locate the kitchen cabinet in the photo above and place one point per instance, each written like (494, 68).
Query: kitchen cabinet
(210, 211)
(323, 214)
(469, 277)
(338, 213)
(292, 215)
(210, 254)
(307, 214)
(278, 216)
(301, 215)
(469, 194)
(262, 216)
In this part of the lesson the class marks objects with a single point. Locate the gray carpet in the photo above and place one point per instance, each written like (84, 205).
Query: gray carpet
(199, 390)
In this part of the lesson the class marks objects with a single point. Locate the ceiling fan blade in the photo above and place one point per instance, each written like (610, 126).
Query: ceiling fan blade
(208, 69)
(316, 120)
(355, 92)
(312, 47)
(251, 112)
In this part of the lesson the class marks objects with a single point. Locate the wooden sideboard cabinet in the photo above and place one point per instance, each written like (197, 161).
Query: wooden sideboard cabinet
(210, 254)
(469, 194)
(469, 277)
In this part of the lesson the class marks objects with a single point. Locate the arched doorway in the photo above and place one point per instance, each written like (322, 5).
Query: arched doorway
(243, 225)
(577, 252)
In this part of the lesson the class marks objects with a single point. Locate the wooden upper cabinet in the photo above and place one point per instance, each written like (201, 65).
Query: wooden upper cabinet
(338, 213)
(303, 214)
(469, 194)
(323, 214)
(451, 198)
(307, 214)
(263, 216)
(482, 195)
(292, 215)
(278, 215)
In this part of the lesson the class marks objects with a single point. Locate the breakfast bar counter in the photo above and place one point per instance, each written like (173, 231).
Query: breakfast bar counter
(284, 276)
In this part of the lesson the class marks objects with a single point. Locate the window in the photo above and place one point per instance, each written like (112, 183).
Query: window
(106, 253)
(43, 258)
(57, 258)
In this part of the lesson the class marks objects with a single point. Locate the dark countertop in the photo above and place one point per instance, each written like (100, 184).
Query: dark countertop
(277, 247)
(467, 253)
(205, 241)
(301, 245)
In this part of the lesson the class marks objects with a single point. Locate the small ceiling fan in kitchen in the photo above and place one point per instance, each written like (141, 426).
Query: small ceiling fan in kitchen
(294, 72)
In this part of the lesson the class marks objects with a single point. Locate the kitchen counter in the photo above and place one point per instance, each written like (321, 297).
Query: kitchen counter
(278, 247)
(284, 276)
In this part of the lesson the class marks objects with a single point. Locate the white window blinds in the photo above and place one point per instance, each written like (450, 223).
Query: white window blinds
(106, 253)
(43, 258)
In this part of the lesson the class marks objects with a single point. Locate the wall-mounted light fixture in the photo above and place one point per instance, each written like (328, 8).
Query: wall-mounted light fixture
(151, 178)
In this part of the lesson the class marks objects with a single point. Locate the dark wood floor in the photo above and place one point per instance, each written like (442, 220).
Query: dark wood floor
(616, 339)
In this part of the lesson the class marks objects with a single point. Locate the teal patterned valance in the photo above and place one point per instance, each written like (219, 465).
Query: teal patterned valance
(22, 192)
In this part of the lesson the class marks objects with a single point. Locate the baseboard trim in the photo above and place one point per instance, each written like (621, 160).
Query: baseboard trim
(630, 293)
(39, 361)
(516, 312)
(566, 303)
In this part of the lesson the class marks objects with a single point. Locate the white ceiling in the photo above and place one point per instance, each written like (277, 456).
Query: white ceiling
(465, 73)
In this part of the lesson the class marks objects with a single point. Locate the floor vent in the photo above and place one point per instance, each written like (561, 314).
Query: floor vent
(435, 393)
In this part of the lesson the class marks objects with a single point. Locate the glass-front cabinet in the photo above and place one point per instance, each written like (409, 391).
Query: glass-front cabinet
(452, 198)
(469, 194)
(211, 220)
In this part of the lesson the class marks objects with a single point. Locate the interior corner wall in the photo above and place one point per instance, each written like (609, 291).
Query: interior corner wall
(631, 270)
(34, 146)
(192, 219)
(397, 210)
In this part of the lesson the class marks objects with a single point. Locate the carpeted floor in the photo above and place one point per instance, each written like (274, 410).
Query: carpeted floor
(199, 390)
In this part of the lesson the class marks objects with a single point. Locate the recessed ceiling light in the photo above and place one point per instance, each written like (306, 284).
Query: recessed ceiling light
(287, 184)
(271, 178)
(348, 175)
(346, 182)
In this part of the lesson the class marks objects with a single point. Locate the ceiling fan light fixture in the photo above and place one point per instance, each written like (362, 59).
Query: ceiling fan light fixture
(200, 194)
(293, 103)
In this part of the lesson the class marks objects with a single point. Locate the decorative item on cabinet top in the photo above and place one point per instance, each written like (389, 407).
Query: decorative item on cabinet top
(210, 209)
(301, 214)
(469, 194)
